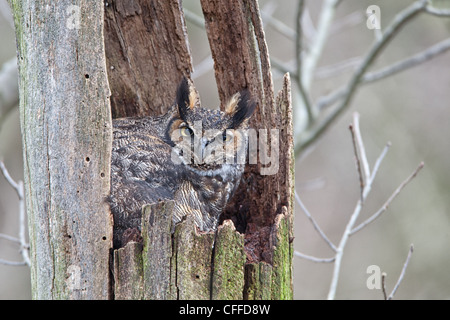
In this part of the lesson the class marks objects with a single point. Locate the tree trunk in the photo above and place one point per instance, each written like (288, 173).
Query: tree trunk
(147, 55)
(66, 127)
(66, 134)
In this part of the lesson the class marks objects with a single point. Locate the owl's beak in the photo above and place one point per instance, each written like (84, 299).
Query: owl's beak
(199, 149)
(203, 143)
(203, 154)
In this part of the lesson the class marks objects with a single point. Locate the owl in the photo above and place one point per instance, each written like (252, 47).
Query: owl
(191, 155)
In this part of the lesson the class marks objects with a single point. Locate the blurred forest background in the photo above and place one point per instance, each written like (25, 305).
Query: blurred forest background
(411, 109)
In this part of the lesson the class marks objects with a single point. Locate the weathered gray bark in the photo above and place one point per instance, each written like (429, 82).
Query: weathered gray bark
(66, 133)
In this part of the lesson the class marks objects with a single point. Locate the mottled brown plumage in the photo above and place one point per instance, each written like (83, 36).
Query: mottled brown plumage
(192, 155)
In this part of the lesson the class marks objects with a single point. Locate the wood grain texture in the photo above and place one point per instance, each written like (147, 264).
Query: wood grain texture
(192, 262)
(128, 272)
(258, 281)
(66, 134)
(147, 55)
(157, 253)
(228, 263)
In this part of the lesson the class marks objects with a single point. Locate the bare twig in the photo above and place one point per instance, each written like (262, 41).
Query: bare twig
(390, 70)
(340, 250)
(366, 185)
(388, 201)
(410, 62)
(360, 154)
(400, 20)
(349, 20)
(437, 12)
(299, 59)
(24, 246)
(13, 263)
(9, 238)
(379, 160)
(337, 68)
(314, 223)
(15, 185)
(402, 274)
(325, 20)
(349, 229)
(383, 285)
(277, 25)
(360, 146)
(194, 18)
(365, 177)
(358, 160)
(313, 259)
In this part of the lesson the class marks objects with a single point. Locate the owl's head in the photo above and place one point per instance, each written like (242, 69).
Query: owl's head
(210, 141)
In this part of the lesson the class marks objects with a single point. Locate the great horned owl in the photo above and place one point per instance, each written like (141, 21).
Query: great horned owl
(191, 155)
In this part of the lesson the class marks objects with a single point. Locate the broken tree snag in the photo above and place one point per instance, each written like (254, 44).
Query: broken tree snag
(170, 263)
(258, 281)
(143, 270)
(191, 262)
(147, 54)
(282, 231)
(241, 60)
(157, 249)
(128, 272)
(282, 254)
(269, 248)
(228, 264)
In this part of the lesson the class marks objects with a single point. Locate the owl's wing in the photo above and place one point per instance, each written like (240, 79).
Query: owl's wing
(142, 172)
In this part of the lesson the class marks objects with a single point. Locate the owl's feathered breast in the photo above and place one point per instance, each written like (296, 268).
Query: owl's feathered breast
(141, 170)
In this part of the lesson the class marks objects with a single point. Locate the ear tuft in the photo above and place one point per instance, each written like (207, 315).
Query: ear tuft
(232, 104)
(240, 107)
(187, 97)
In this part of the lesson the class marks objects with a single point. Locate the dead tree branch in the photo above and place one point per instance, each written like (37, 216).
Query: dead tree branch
(24, 246)
(388, 71)
(319, 121)
(402, 274)
(367, 177)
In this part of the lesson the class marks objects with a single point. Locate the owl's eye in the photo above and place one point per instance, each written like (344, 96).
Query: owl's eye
(227, 136)
(186, 132)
